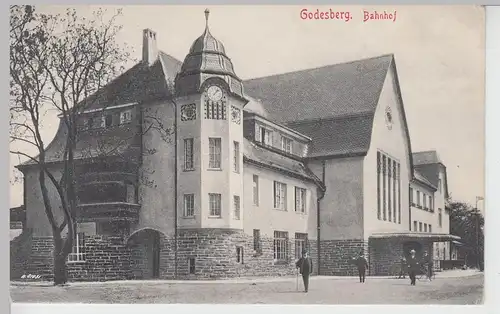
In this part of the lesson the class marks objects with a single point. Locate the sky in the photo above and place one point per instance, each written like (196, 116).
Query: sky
(439, 54)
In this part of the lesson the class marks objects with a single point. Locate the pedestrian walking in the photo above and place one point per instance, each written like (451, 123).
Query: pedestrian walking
(305, 266)
(362, 265)
(402, 268)
(413, 267)
(426, 260)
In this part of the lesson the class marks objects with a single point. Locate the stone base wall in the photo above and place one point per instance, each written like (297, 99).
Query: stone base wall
(336, 256)
(384, 254)
(106, 258)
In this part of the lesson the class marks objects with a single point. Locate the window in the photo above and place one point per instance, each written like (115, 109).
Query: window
(414, 225)
(389, 194)
(300, 200)
(265, 136)
(256, 190)
(214, 150)
(103, 122)
(286, 144)
(236, 157)
(188, 154)
(440, 217)
(279, 195)
(411, 196)
(88, 123)
(125, 117)
(216, 111)
(108, 120)
(425, 227)
(215, 204)
(236, 207)
(431, 203)
(439, 185)
(300, 244)
(191, 264)
(379, 199)
(78, 252)
(420, 227)
(256, 240)
(399, 192)
(239, 255)
(430, 228)
(188, 205)
(280, 246)
(418, 198)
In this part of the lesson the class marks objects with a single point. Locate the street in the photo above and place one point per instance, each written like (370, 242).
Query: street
(323, 290)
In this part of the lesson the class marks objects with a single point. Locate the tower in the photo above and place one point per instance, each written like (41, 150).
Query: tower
(210, 101)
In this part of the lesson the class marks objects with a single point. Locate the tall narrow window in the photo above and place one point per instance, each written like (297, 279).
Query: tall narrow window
(425, 201)
(108, 120)
(286, 144)
(256, 190)
(384, 195)
(236, 200)
(420, 227)
(301, 243)
(415, 225)
(214, 150)
(280, 246)
(430, 228)
(399, 193)
(439, 185)
(394, 195)
(411, 197)
(78, 251)
(279, 195)
(188, 205)
(379, 199)
(236, 156)
(266, 136)
(188, 154)
(239, 254)
(418, 200)
(431, 203)
(440, 217)
(256, 240)
(215, 204)
(300, 200)
(425, 227)
(192, 265)
(389, 189)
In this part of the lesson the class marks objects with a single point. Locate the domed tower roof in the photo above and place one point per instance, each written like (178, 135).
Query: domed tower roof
(206, 59)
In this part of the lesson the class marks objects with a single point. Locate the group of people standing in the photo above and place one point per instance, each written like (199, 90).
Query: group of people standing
(412, 265)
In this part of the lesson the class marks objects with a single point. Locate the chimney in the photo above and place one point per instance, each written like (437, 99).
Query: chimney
(149, 47)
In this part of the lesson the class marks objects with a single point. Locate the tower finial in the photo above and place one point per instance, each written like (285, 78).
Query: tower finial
(207, 13)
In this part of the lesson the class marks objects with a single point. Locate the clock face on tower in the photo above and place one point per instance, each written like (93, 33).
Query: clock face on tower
(214, 93)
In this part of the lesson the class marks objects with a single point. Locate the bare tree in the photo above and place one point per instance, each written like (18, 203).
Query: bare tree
(58, 63)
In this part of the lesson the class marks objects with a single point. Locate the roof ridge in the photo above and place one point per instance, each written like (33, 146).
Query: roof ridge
(321, 67)
(331, 118)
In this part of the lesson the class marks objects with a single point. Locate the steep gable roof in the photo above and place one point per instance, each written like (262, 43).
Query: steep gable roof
(329, 91)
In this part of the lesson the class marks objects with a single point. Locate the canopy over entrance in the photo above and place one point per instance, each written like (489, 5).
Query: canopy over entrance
(415, 236)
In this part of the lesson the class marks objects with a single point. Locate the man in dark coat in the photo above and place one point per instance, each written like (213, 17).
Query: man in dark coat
(362, 265)
(428, 264)
(413, 267)
(305, 266)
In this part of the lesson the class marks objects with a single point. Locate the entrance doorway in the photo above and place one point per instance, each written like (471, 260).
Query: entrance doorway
(145, 247)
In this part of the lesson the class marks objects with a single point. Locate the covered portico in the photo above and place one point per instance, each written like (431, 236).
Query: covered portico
(387, 249)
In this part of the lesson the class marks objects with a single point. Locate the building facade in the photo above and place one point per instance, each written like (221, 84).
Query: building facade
(186, 171)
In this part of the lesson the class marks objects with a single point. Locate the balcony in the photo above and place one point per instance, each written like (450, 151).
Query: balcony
(108, 211)
(108, 176)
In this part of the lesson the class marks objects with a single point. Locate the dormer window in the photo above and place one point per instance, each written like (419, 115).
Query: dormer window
(286, 144)
(125, 117)
(265, 136)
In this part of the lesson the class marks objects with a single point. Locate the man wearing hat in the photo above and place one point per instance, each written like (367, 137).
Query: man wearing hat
(413, 267)
(362, 265)
(305, 266)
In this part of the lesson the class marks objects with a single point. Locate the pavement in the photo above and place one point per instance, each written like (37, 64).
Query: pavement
(456, 273)
(451, 288)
